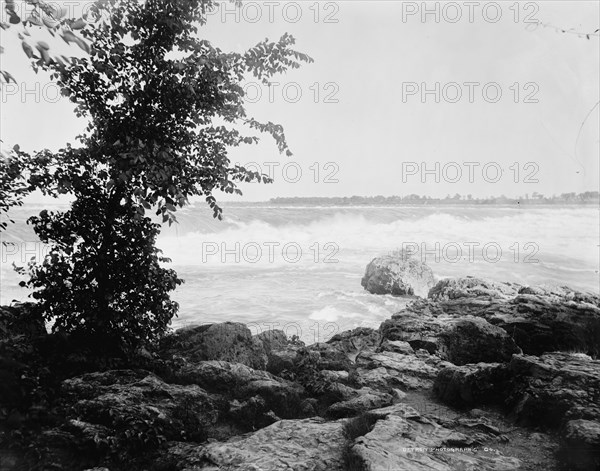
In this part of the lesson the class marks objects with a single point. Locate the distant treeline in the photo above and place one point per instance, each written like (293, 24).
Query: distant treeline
(588, 197)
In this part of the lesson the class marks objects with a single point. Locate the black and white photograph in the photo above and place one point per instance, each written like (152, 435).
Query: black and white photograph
(351, 235)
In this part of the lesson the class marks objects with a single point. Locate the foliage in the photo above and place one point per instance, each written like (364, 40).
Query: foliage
(12, 187)
(44, 15)
(164, 108)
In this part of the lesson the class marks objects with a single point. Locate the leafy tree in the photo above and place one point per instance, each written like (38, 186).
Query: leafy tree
(164, 109)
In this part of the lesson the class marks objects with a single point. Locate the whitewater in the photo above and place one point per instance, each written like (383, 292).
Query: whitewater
(299, 267)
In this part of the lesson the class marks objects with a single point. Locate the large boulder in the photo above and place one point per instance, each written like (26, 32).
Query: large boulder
(399, 275)
(459, 340)
(229, 341)
(299, 445)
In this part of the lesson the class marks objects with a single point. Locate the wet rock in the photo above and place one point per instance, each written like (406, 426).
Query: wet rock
(299, 445)
(229, 341)
(472, 384)
(399, 275)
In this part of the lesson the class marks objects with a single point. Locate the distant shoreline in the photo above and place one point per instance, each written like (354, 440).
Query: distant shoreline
(409, 204)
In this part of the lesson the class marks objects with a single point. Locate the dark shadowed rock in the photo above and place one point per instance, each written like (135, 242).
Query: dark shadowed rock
(20, 320)
(558, 391)
(116, 400)
(554, 388)
(240, 382)
(281, 360)
(325, 357)
(352, 342)
(580, 445)
(273, 339)
(229, 341)
(472, 384)
(419, 330)
(474, 340)
(280, 351)
(399, 275)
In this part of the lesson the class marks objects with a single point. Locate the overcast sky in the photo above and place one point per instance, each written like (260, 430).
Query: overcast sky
(372, 130)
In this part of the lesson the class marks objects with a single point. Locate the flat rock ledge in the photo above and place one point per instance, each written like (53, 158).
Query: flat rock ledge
(478, 376)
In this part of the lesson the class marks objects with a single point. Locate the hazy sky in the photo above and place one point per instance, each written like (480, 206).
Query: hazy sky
(371, 130)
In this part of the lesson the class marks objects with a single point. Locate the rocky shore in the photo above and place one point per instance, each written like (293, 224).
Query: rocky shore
(476, 376)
